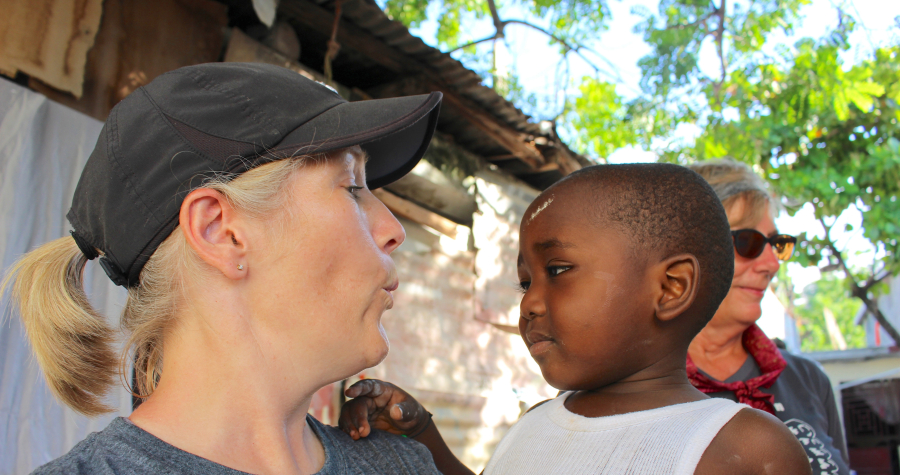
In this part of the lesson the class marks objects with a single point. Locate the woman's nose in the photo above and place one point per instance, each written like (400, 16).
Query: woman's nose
(768, 261)
(387, 231)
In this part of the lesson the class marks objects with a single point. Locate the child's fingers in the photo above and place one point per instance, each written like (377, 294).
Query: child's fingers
(358, 416)
(365, 387)
(379, 391)
(372, 388)
(407, 413)
(345, 421)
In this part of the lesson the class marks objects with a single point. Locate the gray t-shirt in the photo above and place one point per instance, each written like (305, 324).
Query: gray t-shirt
(124, 448)
(804, 401)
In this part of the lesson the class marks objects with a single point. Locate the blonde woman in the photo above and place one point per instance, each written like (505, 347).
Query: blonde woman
(232, 200)
(732, 358)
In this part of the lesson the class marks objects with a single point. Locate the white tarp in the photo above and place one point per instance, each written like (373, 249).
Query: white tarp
(43, 147)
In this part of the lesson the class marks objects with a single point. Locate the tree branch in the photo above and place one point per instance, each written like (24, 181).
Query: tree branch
(700, 21)
(577, 49)
(498, 25)
(873, 280)
(720, 49)
(614, 75)
(860, 292)
(473, 43)
(568, 47)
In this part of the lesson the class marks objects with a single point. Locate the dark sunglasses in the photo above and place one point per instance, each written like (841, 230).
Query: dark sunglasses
(750, 243)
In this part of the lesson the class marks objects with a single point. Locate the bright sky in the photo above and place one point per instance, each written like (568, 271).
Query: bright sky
(528, 54)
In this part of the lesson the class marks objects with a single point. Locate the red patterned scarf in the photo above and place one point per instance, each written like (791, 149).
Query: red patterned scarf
(770, 363)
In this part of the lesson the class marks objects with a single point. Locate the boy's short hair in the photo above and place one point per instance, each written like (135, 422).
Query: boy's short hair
(665, 209)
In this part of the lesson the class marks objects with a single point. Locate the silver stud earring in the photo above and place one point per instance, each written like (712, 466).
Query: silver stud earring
(240, 266)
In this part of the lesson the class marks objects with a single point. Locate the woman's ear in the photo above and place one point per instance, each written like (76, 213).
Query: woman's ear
(214, 232)
(679, 280)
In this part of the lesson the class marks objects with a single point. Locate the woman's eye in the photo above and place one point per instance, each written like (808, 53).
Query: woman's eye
(354, 190)
(554, 271)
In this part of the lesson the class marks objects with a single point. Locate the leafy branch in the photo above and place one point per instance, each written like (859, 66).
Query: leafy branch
(499, 33)
(720, 49)
(861, 291)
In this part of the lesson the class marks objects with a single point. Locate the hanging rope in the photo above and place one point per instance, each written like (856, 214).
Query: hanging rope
(333, 45)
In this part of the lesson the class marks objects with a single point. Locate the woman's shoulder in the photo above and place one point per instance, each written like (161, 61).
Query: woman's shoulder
(380, 452)
(805, 372)
(122, 448)
(97, 453)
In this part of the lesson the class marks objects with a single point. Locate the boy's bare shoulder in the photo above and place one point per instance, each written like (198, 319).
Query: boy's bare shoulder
(754, 442)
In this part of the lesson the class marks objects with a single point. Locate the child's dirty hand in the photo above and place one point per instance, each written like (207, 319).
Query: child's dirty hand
(380, 405)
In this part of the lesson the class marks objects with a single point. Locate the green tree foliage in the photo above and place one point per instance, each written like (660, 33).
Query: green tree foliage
(822, 135)
(683, 27)
(573, 21)
(568, 24)
(822, 131)
(599, 120)
(830, 293)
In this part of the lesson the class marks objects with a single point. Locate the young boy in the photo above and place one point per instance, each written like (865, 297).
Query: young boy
(620, 265)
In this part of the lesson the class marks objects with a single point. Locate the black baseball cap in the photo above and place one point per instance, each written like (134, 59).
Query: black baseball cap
(165, 138)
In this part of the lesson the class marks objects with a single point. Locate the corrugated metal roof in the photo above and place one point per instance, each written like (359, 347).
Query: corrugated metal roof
(368, 16)
(379, 56)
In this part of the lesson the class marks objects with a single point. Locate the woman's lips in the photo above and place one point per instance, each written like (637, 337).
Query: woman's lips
(390, 299)
(389, 290)
(754, 291)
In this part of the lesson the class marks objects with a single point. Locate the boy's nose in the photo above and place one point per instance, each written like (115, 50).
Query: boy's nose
(529, 316)
(532, 306)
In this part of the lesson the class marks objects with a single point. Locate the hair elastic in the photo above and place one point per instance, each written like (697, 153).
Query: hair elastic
(89, 251)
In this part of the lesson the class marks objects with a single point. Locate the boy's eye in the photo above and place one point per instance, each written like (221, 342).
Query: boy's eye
(554, 271)
(523, 286)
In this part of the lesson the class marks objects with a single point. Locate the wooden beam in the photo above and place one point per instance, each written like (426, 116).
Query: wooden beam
(500, 158)
(416, 213)
(568, 163)
(450, 201)
(505, 328)
(137, 41)
(244, 49)
(316, 18)
(49, 40)
(548, 168)
(492, 127)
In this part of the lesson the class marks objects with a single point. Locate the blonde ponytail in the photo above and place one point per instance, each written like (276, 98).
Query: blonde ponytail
(72, 342)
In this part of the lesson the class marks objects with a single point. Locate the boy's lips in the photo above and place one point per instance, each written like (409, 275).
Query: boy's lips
(538, 342)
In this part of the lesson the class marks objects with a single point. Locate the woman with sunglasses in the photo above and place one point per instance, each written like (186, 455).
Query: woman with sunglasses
(732, 358)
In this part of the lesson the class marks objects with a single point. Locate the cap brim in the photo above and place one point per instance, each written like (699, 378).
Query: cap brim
(394, 132)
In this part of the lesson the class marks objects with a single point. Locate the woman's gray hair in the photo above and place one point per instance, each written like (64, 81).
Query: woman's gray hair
(743, 193)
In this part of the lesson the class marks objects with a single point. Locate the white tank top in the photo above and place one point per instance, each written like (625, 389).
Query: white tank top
(669, 440)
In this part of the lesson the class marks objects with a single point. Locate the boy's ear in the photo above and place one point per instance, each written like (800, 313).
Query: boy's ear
(679, 280)
(214, 232)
